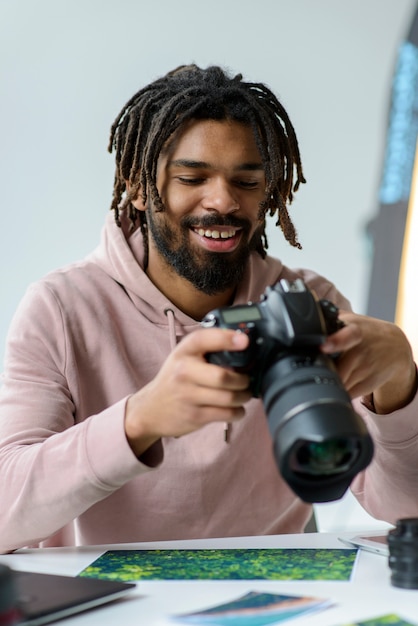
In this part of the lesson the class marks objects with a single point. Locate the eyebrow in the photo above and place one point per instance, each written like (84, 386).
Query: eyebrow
(249, 167)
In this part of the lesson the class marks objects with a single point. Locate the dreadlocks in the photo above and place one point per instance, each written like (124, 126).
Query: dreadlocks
(157, 111)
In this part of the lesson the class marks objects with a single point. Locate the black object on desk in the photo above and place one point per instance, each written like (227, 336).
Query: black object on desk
(403, 553)
(42, 598)
(9, 614)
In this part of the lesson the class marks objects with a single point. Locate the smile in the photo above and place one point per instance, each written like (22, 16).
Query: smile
(216, 234)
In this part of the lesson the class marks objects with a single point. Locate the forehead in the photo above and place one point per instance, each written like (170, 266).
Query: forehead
(224, 138)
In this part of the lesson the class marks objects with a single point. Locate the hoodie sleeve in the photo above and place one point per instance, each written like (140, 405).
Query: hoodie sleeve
(388, 488)
(52, 467)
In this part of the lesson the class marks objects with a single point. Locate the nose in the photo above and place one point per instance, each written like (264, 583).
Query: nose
(220, 196)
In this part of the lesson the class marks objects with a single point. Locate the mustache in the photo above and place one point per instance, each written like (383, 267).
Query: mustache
(207, 221)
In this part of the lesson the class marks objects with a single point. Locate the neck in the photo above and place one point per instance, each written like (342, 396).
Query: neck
(185, 296)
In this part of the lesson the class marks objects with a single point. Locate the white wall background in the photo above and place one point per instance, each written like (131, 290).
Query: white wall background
(68, 66)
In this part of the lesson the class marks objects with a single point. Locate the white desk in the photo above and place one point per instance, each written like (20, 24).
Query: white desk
(368, 595)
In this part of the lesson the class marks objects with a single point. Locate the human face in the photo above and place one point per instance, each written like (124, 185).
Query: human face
(211, 181)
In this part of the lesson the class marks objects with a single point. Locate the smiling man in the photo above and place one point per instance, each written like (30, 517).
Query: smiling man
(212, 219)
(112, 420)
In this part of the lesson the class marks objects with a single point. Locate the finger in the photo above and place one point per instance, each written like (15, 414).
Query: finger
(349, 375)
(219, 376)
(212, 340)
(345, 339)
(207, 415)
(192, 371)
(358, 374)
(228, 398)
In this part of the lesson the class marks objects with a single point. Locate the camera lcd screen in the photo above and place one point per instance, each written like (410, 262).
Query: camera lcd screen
(241, 314)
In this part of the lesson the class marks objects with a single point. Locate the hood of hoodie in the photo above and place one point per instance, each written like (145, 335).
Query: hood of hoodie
(121, 256)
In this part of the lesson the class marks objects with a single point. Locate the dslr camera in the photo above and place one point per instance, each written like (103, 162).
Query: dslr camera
(319, 441)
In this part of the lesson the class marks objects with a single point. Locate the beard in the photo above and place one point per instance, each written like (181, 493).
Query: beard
(209, 272)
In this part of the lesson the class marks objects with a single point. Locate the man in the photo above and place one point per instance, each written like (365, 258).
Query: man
(112, 420)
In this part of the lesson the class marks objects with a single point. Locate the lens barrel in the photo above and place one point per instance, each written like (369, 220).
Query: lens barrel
(319, 441)
(403, 553)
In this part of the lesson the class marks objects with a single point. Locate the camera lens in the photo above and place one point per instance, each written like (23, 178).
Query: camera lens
(320, 443)
(403, 553)
(328, 457)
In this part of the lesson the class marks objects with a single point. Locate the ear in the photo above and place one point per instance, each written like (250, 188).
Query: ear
(137, 201)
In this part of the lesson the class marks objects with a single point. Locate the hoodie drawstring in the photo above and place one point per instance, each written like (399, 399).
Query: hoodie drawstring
(171, 327)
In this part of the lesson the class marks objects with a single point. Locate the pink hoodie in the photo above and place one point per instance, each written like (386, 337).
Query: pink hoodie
(86, 337)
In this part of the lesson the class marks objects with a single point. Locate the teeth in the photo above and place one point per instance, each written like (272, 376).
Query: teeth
(216, 234)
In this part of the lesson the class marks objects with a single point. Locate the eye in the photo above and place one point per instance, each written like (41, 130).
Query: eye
(190, 180)
(248, 184)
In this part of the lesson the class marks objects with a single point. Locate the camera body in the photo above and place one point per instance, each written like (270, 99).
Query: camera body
(319, 442)
(288, 319)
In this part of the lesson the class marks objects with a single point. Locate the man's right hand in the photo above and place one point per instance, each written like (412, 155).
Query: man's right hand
(188, 392)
